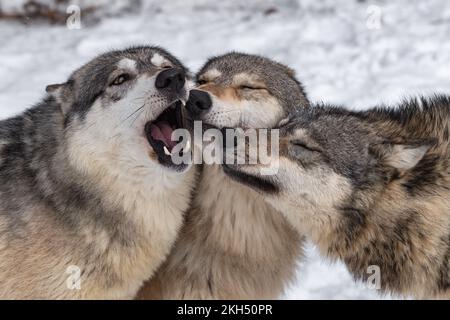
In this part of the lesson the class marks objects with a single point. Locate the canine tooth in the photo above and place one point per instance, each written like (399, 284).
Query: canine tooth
(166, 151)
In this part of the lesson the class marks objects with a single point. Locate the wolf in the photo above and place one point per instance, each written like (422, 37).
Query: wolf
(369, 188)
(233, 245)
(90, 202)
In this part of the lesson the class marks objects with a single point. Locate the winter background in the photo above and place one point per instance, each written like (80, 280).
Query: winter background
(356, 53)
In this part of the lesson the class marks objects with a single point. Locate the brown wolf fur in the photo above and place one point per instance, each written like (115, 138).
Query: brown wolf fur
(233, 244)
(369, 188)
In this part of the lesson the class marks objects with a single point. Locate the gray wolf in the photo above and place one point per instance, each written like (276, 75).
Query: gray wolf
(233, 244)
(369, 188)
(90, 203)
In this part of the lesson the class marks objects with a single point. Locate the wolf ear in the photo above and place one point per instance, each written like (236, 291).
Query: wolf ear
(403, 156)
(289, 71)
(62, 94)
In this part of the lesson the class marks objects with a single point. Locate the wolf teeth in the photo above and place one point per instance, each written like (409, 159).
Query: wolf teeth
(166, 151)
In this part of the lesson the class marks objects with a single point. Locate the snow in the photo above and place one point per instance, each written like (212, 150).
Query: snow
(357, 53)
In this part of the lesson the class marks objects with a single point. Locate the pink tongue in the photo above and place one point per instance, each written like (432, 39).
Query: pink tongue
(163, 132)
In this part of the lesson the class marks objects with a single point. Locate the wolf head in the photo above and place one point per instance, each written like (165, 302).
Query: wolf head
(120, 110)
(242, 90)
(331, 159)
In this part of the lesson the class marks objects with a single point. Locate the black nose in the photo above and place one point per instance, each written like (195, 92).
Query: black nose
(172, 79)
(198, 102)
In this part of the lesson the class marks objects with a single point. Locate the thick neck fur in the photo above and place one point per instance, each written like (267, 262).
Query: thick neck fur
(403, 226)
(117, 228)
(407, 238)
(233, 246)
(44, 161)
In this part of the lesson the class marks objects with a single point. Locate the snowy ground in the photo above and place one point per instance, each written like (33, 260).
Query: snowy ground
(356, 53)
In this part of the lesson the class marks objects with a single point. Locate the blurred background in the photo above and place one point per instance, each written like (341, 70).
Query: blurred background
(353, 52)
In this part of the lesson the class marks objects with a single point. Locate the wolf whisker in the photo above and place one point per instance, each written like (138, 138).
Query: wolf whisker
(133, 113)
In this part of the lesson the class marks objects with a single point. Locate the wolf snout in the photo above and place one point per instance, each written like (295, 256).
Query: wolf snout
(172, 79)
(198, 102)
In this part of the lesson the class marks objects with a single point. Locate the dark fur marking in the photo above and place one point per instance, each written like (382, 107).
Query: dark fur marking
(424, 175)
(444, 270)
(396, 265)
(252, 181)
(354, 221)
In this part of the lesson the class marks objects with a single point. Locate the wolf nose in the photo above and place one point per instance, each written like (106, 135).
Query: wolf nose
(172, 79)
(198, 102)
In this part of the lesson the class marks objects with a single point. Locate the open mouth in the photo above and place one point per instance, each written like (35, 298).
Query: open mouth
(159, 135)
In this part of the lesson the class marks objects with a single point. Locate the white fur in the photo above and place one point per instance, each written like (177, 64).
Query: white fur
(244, 114)
(211, 74)
(127, 64)
(317, 188)
(111, 148)
(190, 84)
(158, 60)
(267, 114)
(304, 192)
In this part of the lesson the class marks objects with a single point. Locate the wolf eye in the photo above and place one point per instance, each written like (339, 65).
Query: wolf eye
(201, 82)
(120, 79)
(303, 145)
(249, 87)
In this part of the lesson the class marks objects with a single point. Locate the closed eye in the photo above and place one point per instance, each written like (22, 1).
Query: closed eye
(303, 145)
(250, 87)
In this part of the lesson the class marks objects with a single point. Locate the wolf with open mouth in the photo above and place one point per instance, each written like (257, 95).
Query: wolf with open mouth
(90, 201)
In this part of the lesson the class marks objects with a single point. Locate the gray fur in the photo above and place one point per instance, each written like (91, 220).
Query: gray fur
(234, 245)
(279, 78)
(370, 188)
(54, 214)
